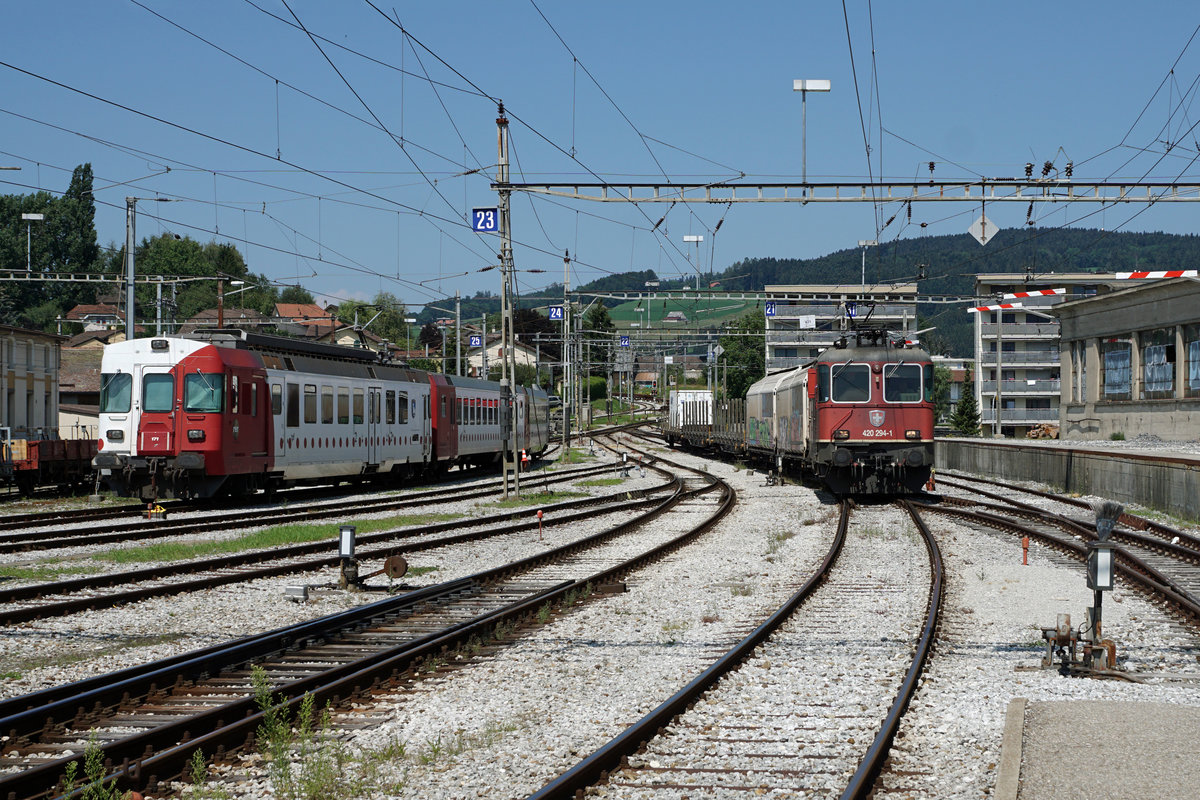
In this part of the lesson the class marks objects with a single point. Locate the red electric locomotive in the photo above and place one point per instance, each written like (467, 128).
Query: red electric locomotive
(859, 417)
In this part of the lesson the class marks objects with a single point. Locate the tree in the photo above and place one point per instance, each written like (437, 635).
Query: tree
(431, 336)
(941, 392)
(296, 294)
(966, 413)
(745, 352)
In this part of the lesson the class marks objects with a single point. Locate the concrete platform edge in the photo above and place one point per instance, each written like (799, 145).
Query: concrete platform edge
(1008, 776)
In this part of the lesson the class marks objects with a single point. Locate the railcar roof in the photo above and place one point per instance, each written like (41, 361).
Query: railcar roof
(835, 355)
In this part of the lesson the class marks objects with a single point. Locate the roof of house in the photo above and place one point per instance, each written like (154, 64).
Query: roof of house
(233, 318)
(298, 312)
(79, 370)
(84, 310)
(95, 339)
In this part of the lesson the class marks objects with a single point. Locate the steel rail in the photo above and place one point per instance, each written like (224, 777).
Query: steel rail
(1128, 565)
(595, 768)
(350, 679)
(1130, 520)
(863, 780)
(222, 564)
(125, 529)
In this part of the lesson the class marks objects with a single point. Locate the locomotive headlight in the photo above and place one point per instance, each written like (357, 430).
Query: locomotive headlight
(912, 434)
(195, 435)
(115, 435)
(841, 434)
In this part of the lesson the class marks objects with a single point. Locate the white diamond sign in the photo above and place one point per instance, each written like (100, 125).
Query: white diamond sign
(983, 229)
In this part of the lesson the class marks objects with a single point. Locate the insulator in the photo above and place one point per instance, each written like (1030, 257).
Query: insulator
(1049, 165)
(1070, 168)
(1028, 169)
(931, 166)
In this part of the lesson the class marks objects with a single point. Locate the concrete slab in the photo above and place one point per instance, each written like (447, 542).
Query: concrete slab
(1112, 750)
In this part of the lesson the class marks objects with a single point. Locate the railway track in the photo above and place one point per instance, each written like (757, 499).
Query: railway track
(139, 528)
(1167, 570)
(207, 701)
(43, 600)
(24, 522)
(728, 730)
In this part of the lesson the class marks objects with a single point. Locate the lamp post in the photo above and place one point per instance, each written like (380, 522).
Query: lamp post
(29, 220)
(804, 87)
(221, 298)
(696, 240)
(864, 244)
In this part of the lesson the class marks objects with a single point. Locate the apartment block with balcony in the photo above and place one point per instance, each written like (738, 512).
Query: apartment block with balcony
(803, 320)
(1017, 350)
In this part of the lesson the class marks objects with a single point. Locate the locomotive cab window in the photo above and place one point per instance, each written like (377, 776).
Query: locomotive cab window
(902, 383)
(851, 383)
(203, 392)
(927, 375)
(115, 392)
(158, 392)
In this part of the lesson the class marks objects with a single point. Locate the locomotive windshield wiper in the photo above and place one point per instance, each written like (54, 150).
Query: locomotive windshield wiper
(838, 369)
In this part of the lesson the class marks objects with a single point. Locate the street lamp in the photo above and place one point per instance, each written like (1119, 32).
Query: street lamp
(29, 220)
(804, 87)
(864, 244)
(221, 298)
(695, 239)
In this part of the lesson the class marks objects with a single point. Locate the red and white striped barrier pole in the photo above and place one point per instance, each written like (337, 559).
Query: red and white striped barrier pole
(1167, 273)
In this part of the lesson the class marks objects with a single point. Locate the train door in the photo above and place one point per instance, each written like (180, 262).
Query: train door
(426, 426)
(154, 406)
(374, 407)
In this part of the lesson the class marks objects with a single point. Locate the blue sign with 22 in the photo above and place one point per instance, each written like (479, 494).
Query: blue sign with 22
(624, 341)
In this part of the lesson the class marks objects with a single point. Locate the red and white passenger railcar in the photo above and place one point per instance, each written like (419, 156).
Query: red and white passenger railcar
(232, 412)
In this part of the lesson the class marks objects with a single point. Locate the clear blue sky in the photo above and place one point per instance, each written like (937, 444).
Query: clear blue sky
(692, 91)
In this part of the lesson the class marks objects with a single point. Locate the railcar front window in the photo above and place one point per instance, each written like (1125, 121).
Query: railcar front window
(902, 383)
(851, 383)
(158, 393)
(116, 392)
(203, 393)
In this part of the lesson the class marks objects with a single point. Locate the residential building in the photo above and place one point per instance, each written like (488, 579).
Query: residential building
(803, 320)
(29, 371)
(1131, 363)
(1017, 349)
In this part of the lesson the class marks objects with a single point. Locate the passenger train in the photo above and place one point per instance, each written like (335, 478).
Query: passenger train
(859, 417)
(232, 412)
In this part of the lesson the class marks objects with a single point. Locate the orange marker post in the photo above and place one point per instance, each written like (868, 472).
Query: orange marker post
(539, 524)
(1025, 551)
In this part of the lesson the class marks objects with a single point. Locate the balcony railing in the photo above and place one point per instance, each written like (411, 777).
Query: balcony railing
(1014, 387)
(831, 311)
(803, 335)
(1016, 358)
(1019, 330)
(1012, 415)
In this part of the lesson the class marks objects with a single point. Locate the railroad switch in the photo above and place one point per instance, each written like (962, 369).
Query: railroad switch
(1076, 654)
